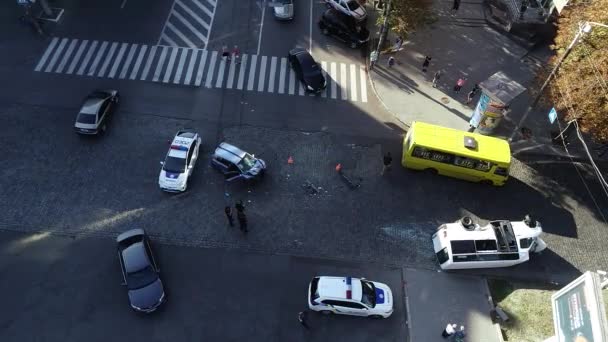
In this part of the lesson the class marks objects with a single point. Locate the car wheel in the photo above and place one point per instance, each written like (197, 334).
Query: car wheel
(376, 316)
(486, 182)
(431, 171)
(353, 45)
(325, 31)
(327, 312)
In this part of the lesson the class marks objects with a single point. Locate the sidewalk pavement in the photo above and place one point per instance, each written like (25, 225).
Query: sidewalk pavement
(462, 44)
(435, 299)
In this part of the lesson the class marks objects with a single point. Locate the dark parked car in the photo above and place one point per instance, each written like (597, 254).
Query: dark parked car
(344, 28)
(96, 111)
(235, 163)
(307, 70)
(139, 271)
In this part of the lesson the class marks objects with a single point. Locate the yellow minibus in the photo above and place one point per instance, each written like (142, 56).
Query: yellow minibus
(455, 153)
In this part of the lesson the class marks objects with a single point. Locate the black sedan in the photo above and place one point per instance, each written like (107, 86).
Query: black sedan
(96, 111)
(140, 273)
(344, 28)
(307, 70)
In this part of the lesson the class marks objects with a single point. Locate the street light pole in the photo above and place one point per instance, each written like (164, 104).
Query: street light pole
(383, 32)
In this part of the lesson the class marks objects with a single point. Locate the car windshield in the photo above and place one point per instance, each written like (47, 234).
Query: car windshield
(86, 118)
(141, 278)
(173, 164)
(368, 296)
(247, 162)
(353, 5)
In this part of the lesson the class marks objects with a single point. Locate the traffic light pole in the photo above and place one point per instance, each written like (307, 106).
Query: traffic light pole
(383, 34)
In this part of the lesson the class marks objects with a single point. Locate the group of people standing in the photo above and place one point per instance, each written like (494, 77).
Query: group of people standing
(459, 83)
(240, 216)
(451, 332)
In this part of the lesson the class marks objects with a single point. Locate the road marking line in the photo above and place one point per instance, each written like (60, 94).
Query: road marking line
(140, 57)
(97, 59)
(242, 67)
(273, 67)
(282, 70)
(343, 91)
(353, 82)
(144, 73)
(334, 80)
(165, 25)
(180, 35)
(124, 2)
(324, 72)
(310, 29)
(262, 77)
(193, 15)
(254, 59)
(125, 67)
(363, 78)
(212, 3)
(261, 26)
(87, 58)
(231, 75)
(56, 55)
(107, 60)
(220, 73)
(192, 28)
(170, 65)
(180, 66)
(46, 54)
(116, 63)
(66, 56)
(204, 8)
(159, 65)
(191, 66)
(83, 45)
(166, 38)
(201, 68)
(292, 81)
(211, 69)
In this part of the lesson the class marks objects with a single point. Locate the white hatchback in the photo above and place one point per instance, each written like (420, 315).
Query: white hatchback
(350, 296)
(349, 7)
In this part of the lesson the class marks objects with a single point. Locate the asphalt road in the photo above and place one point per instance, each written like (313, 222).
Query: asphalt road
(71, 289)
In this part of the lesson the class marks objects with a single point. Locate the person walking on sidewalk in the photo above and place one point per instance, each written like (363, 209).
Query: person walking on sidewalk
(436, 78)
(449, 330)
(391, 61)
(225, 53)
(425, 64)
(459, 335)
(236, 54)
(387, 161)
(303, 319)
(239, 206)
(472, 93)
(228, 212)
(398, 44)
(455, 6)
(242, 221)
(459, 84)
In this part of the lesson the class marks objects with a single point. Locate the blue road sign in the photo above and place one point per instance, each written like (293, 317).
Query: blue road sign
(552, 115)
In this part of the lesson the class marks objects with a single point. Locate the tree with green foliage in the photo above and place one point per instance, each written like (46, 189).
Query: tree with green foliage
(579, 89)
(407, 16)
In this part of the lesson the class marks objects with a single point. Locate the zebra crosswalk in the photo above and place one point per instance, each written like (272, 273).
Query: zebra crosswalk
(189, 23)
(195, 67)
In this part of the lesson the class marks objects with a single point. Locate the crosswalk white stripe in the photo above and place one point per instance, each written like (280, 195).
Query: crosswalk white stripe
(199, 72)
(193, 56)
(66, 56)
(292, 81)
(79, 52)
(324, 72)
(46, 54)
(171, 64)
(262, 78)
(254, 59)
(125, 67)
(97, 59)
(118, 59)
(180, 66)
(282, 75)
(231, 75)
(273, 70)
(211, 69)
(243, 66)
(107, 60)
(164, 37)
(144, 73)
(353, 82)
(179, 34)
(87, 58)
(212, 3)
(205, 9)
(220, 73)
(51, 64)
(343, 92)
(363, 77)
(334, 80)
(159, 65)
(140, 57)
(193, 15)
(188, 25)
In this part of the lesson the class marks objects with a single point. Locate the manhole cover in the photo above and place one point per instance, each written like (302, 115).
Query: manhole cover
(445, 100)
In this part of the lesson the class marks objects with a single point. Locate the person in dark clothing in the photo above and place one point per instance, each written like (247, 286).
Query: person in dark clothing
(303, 319)
(472, 93)
(456, 5)
(240, 207)
(240, 215)
(228, 212)
(388, 160)
(425, 64)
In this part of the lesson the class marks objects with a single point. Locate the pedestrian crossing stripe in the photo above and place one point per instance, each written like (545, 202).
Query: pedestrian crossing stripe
(188, 24)
(195, 67)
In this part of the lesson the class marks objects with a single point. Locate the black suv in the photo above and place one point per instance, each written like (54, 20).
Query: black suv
(344, 28)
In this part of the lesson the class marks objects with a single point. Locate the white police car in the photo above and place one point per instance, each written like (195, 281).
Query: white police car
(350, 296)
(179, 162)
